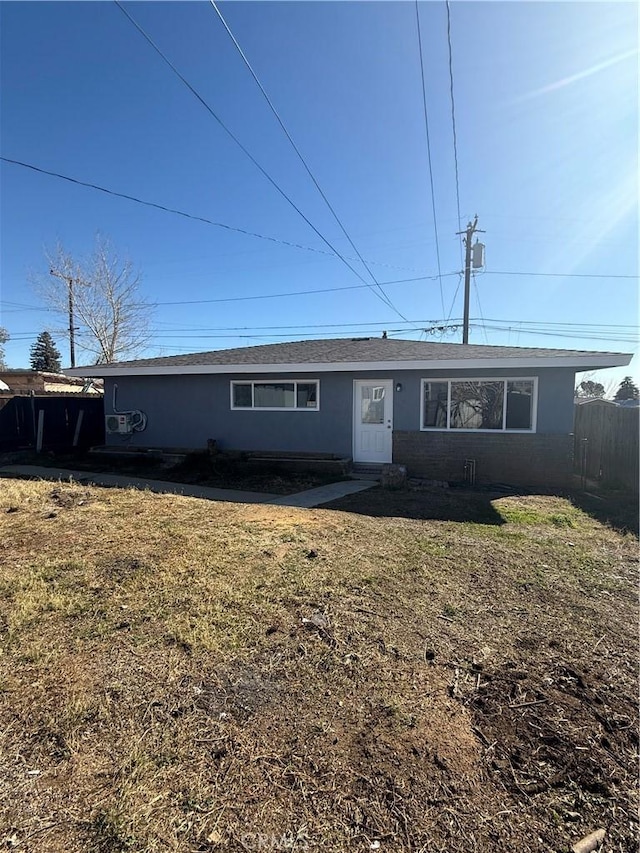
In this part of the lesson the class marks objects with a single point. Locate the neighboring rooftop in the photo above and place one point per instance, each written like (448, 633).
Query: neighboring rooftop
(23, 380)
(344, 353)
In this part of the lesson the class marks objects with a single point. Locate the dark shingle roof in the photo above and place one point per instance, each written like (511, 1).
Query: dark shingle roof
(349, 350)
(355, 354)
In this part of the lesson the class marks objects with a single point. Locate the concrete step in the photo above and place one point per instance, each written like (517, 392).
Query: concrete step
(366, 471)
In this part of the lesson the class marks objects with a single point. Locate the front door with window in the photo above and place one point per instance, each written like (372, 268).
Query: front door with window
(373, 420)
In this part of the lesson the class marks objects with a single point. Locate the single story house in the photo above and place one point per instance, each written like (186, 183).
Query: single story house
(434, 407)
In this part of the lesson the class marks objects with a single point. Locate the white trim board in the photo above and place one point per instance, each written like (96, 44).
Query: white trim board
(586, 362)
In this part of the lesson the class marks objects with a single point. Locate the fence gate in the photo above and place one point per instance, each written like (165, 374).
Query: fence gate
(606, 444)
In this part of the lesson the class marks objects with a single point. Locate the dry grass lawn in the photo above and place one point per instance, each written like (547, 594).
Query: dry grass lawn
(177, 675)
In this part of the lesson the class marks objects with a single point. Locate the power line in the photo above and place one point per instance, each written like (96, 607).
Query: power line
(161, 206)
(301, 158)
(310, 293)
(383, 324)
(278, 240)
(263, 295)
(453, 301)
(569, 331)
(561, 274)
(541, 324)
(455, 141)
(283, 295)
(453, 114)
(299, 292)
(285, 335)
(334, 333)
(426, 126)
(628, 339)
(246, 151)
(194, 330)
(566, 324)
(17, 304)
(585, 336)
(16, 307)
(195, 217)
(279, 336)
(477, 292)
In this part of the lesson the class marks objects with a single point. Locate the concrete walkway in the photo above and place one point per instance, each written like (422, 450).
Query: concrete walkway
(308, 499)
(323, 494)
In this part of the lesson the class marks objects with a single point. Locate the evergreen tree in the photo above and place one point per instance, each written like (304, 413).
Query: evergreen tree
(45, 355)
(628, 390)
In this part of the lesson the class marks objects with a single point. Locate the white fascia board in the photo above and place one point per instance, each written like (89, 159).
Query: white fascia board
(581, 362)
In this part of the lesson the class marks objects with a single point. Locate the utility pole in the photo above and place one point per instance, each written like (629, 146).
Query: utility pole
(72, 348)
(470, 231)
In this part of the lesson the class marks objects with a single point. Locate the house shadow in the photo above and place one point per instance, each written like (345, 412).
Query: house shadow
(619, 510)
(438, 504)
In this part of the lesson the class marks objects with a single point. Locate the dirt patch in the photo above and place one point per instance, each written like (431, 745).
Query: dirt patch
(67, 498)
(119, 569)
(550, 737)
(236, 692)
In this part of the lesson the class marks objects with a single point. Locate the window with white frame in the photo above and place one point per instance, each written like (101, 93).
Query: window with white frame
(276, 396)
(479, 404)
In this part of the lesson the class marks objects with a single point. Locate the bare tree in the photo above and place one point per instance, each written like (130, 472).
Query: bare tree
(100, 296)
(592, 376)
(589, 388)
(4, 337)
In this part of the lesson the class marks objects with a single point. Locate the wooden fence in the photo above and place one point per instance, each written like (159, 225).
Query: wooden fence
(51, 423)
(606, 444)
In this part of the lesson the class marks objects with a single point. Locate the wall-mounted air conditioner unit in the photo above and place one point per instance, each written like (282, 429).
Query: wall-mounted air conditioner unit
(118, 424)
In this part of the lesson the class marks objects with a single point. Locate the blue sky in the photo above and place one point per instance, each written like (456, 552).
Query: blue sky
(546, 107)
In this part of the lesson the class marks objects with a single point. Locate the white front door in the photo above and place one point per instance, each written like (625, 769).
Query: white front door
(372, 420)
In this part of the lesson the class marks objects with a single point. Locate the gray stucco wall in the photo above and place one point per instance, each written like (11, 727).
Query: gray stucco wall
(185, 411)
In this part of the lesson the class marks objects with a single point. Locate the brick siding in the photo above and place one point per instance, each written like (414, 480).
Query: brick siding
(517, 459)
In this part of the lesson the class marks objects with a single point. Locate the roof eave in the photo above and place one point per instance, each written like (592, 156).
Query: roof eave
(590, 361)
